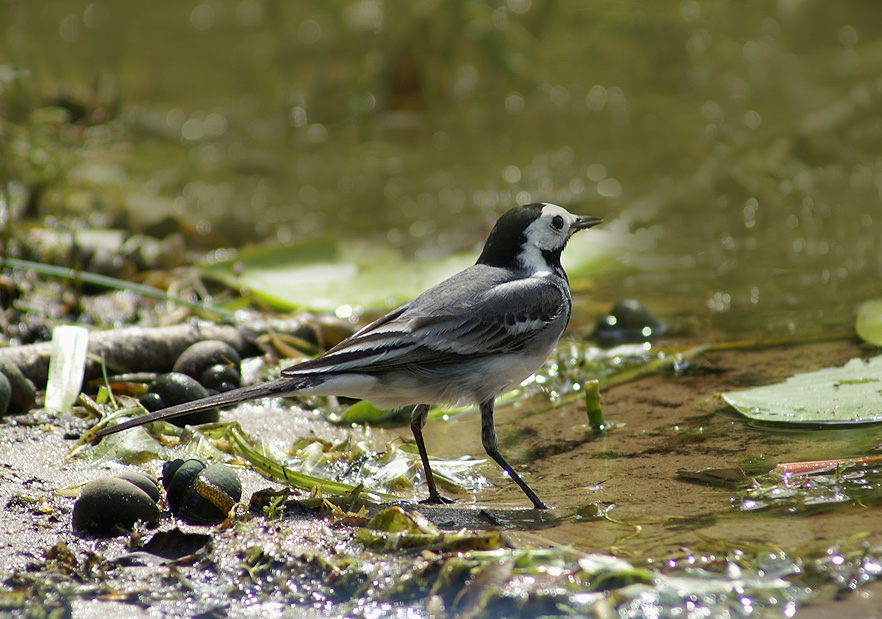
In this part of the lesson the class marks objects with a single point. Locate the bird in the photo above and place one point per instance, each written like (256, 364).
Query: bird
(463, 341)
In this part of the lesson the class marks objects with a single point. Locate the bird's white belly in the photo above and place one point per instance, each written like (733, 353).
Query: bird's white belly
(471, 382)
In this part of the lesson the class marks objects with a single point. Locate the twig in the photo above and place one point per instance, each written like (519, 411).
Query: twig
(139, 349)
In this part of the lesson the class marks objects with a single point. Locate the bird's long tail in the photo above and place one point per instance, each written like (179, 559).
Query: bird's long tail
(273, 388)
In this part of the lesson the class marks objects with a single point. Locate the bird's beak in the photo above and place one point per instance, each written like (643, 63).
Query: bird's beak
(583, 223)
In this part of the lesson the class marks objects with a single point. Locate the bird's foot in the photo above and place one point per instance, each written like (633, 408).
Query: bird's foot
(436, 499)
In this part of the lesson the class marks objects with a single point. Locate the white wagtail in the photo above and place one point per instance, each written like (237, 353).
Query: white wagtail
(464, 341)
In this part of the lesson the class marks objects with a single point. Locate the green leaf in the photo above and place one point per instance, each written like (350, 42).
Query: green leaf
(325, 273)
(259, 455)
(394, 528)
(869, 322)
(363, 412)
(321, 274)
(846, 395)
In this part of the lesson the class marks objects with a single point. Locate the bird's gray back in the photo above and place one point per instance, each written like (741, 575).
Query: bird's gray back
(466, 339)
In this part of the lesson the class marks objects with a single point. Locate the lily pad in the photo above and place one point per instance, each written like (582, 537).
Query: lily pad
(846, 395)
(869, 322)
(324, 274)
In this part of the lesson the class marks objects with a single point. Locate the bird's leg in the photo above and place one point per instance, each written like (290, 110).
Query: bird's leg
(491, 446)
(417, 421)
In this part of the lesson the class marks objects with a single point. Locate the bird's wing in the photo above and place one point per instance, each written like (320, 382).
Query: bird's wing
(459, 322)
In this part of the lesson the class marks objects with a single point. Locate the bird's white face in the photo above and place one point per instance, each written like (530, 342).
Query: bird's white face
(552, 229)
(531, 237)
(548, 233)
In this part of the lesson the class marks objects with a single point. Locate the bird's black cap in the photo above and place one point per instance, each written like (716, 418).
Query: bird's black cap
(507, 236)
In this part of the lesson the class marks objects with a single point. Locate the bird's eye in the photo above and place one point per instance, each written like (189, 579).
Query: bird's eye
(557, 222)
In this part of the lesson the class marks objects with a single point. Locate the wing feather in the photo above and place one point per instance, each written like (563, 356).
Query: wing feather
(461, 318)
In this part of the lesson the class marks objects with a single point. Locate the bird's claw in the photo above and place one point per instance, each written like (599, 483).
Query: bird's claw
(436, 499)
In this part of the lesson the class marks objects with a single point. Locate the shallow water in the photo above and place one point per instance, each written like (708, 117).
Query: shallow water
(742, 136)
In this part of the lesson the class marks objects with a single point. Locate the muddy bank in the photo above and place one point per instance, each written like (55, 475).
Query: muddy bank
(664, 425)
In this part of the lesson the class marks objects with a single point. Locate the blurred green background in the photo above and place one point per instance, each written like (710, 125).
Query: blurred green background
(741, 139)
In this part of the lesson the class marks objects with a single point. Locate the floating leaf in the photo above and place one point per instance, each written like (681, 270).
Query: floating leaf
(846, 395)
(324, 274)
(869, 322)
